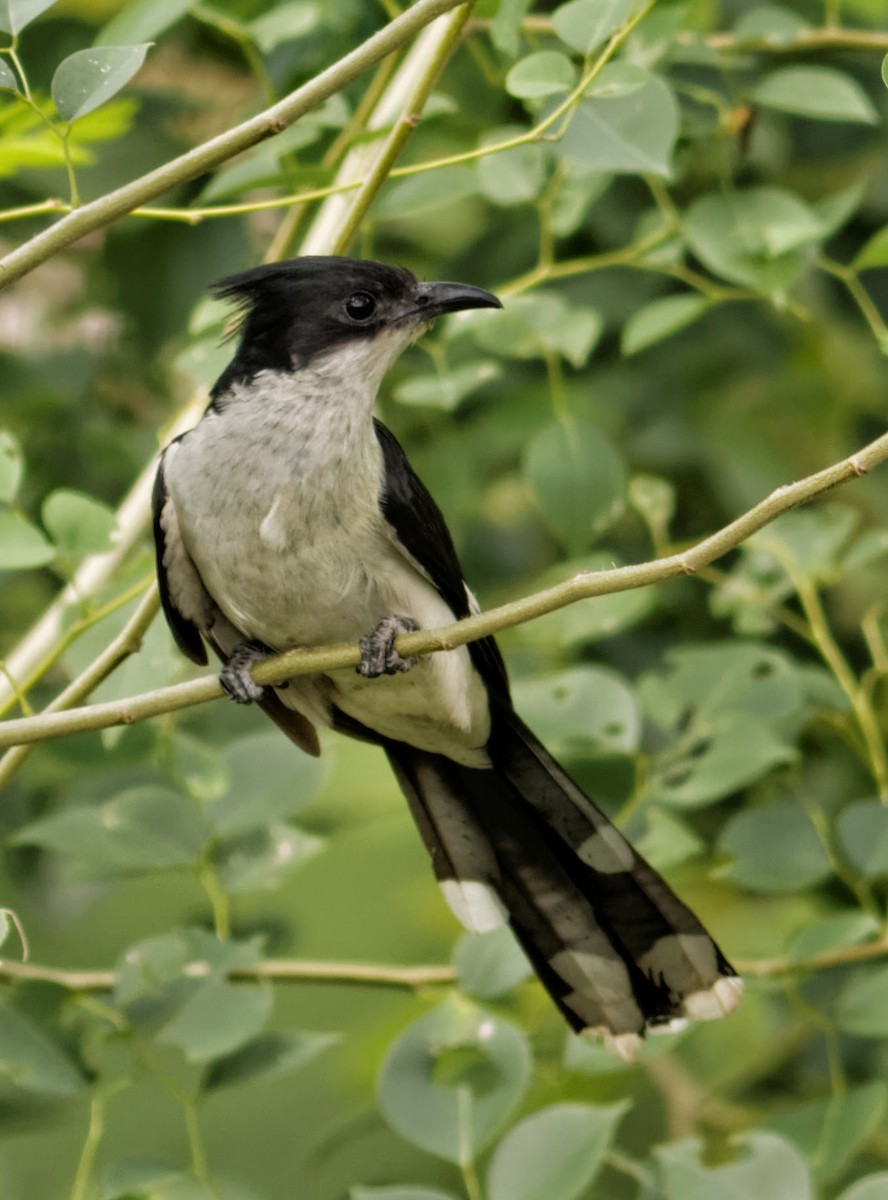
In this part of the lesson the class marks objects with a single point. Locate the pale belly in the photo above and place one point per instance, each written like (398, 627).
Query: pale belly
(335, 586)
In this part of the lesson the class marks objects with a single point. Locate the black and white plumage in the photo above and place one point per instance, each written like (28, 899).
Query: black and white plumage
(290, 517)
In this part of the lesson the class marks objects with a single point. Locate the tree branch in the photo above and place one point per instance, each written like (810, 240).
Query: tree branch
(321, 659)
(219, 149)
(273, 969)
(289, 970)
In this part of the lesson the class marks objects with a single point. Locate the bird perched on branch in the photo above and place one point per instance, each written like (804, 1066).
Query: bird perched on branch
(289, 517)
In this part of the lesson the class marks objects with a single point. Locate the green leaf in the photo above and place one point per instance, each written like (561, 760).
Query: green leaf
(269, 1055)
(585, 24)
(667, 841)
(774, 848)
(88, 78)
(12, 466)
(9, 81)
(218, 1018)
(283, 24)
(420, 194)
(863, 834)
(267, 783)
(863, 1003)
(715, 756)
(813, 543)
(578, 479)
(822, 93)
(767, 1167)
(142, 829)
(141, 21)
(724, 677)
(448, 388)
(874, 252)
(514, 176)
(581, 624)
(553, 1154)
(21, 544)
(398, 1193)
(871, 1187)
(660, 319)
(761, 238)
(259, 859)
(31, 1061)
(186, 957)
(840, 929)
(546, 73)
(16, 14)
(581, 712)
(885, 70)
(770, 23)
(630, 131)
(505, 28)
(452, 1078)
(832, 1130)
(78, 524)
(138, 1179)
(490, 964)
(541, 324)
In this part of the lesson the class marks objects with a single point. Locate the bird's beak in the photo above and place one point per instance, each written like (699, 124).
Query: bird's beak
(429, 300)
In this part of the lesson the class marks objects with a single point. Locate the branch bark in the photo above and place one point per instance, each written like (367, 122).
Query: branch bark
(211, 154)
(290, 970)
(293, 663)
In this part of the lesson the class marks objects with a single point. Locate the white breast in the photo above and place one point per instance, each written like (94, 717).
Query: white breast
(278, 504)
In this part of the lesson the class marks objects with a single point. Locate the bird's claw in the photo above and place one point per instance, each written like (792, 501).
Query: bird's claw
(235, 676)
(378, 653)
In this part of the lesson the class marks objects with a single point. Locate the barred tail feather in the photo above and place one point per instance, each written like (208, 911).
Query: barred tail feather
(614, 946)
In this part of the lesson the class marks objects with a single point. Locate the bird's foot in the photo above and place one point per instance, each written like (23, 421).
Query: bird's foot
(378, 653)
(235, 676)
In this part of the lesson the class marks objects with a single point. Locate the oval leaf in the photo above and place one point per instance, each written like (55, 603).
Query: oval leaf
(268, 1056)
(554, 1154)
(11, 463)
(452, 1078)
(30, 1060)
(759, 238)
(543, 74)
(629, 126)
(821, 93)
(659, 319)
(585, 24)
(16, 14)
(578, 479)
(8, 80)
(21, 544)
(768, 1167)
(774, 849)
(77, 524)
(88, 78)
(863, 1004)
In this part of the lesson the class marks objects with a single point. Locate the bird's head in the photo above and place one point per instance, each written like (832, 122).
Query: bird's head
(334, 315)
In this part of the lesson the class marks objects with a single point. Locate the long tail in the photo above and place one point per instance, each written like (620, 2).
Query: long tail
(613, 945)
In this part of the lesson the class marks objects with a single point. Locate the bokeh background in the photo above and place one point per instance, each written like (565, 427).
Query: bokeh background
(685, 209)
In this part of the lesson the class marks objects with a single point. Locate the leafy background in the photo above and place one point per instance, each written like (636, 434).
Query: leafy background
(685, 209)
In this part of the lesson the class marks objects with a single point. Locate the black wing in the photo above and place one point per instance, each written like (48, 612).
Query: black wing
(420, 529)
(186, 633)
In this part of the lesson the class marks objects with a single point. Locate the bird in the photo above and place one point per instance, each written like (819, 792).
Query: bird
(290, 516)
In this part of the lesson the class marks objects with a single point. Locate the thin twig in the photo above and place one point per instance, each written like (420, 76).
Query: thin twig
(322, 659)
(279, 970)
(217, 150)
(287, 970)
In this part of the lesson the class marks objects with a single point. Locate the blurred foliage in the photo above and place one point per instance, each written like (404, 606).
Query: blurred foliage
(684, 206)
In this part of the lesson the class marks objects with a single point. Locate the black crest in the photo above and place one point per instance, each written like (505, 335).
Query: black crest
(295, 310)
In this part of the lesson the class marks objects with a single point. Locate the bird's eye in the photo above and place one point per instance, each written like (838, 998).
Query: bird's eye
(360, 306)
